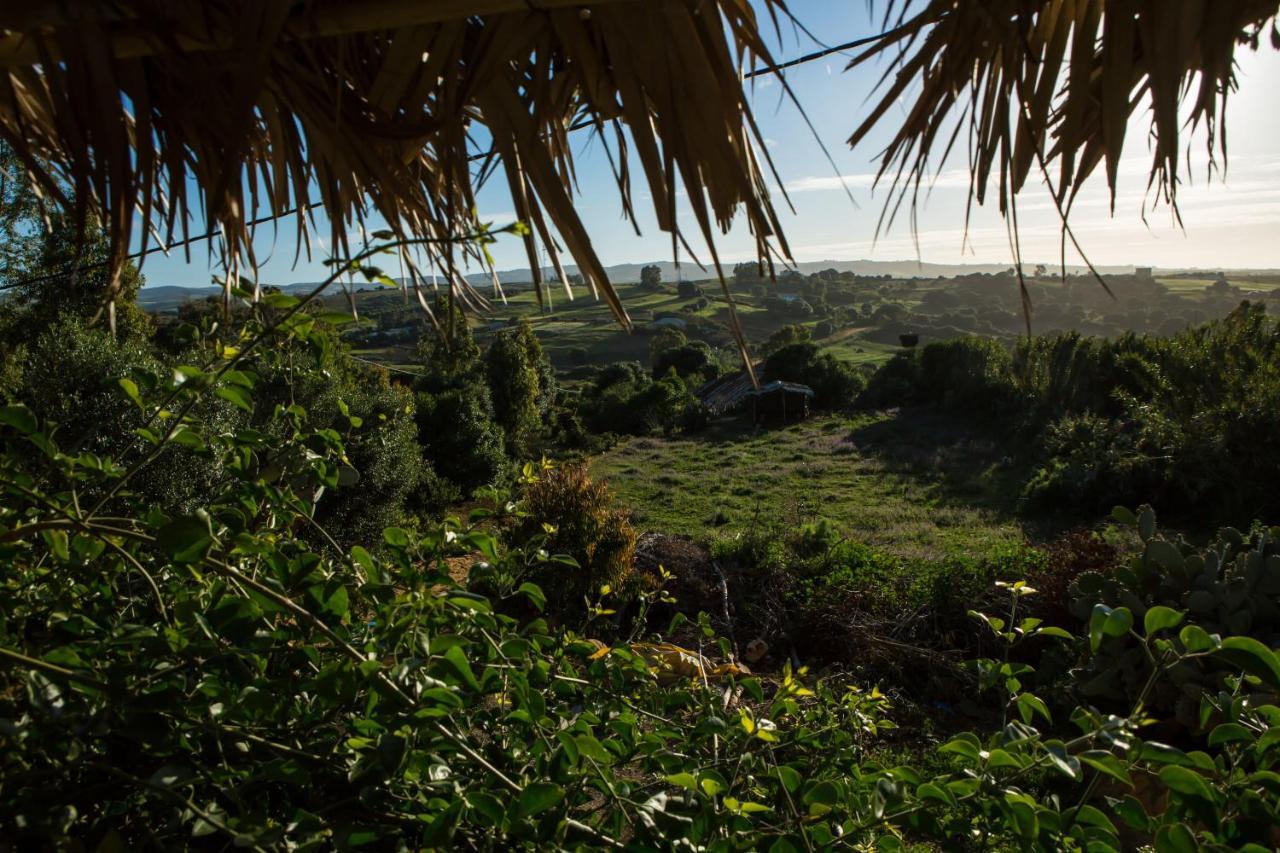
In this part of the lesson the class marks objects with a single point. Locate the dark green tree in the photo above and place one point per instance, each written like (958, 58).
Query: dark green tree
(515, 367)
(651, 277)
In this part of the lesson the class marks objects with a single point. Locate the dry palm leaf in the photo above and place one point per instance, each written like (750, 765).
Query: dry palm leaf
(1039, 82)
(151, 113)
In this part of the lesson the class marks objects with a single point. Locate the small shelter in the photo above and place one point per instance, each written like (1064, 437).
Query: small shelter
(781, 402)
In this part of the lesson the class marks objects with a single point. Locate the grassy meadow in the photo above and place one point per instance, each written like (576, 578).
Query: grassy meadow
(919, 486)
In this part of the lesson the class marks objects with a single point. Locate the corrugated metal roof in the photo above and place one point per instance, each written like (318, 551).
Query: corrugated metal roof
(726, 393)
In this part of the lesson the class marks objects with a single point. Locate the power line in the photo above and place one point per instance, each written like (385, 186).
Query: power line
(312, 205)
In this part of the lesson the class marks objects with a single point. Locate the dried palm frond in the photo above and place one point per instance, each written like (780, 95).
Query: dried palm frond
(222, 109)
(1034, 82)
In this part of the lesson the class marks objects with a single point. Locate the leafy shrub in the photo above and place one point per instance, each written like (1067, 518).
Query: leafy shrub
(968, 373)
(521, 384)
(835, 385)
(625, 400)
(210, 679)
(695, 361)
(896, 383)
(459, 435)
(583, 525)
(1185, 421)
(1231, 587)
(688, 290)
(792, 333)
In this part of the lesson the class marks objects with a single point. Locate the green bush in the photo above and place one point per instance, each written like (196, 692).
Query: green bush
(579, 520)
(968, 373)
(694, 361)
(835, 385)
(1186, 421)
(1230, 587)
(521, 383)
(460, 437)
(212, 679)
(624, 400)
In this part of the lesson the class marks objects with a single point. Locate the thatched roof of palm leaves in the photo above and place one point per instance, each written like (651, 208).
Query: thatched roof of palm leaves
(147, 114)
(1045, 86)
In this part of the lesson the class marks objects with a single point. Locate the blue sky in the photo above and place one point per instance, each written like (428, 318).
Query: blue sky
(1231, 223)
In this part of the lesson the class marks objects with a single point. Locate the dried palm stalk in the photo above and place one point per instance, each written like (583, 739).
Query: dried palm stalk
(1034, 83)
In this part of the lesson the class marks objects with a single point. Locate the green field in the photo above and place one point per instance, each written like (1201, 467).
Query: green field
(915, 485)
(1196, 285)
(584, 323)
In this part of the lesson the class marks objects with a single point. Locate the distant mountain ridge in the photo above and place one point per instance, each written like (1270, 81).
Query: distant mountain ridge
(167, 297)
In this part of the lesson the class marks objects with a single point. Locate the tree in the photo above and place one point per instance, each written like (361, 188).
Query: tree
(695, 360)
(514, 367)
(651, 277)
(786, 336)
(688, 290)
(665, 339)
(449, 353)
(462, 439)
(747, 274)
(835, 385)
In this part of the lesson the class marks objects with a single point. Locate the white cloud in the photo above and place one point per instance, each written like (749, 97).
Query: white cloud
(948, 179)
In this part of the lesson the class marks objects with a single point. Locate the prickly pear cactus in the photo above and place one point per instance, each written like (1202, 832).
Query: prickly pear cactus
(1230, 587)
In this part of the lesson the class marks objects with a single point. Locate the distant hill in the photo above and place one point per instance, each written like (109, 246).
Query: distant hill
(166, 298)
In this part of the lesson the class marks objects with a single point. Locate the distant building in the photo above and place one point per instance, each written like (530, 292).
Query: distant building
(1143, 272)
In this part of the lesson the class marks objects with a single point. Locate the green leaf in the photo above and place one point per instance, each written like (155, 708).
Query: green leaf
(1186, 782)
(965, 744)
(1176, 838)
(395, 537)
(131, 389)
(1161, 618)
(18, 417)
(535, 595)
(1131, 811)
(279, 301)
(931, 791)
(589, 746)
(1253, 657)
(58, 544)
(1107, 764)
(712, 783)
(1124, 515)
(185, 539)
(1029, 704)
(683, 780)
(537, 797)
(237, 396)
(1105, 622)
(789, 777)
(824, 793)
(1160, 753)
(457, 661)
(1146, 523)
(1196, 639)
(1229, 733)
(364, 560)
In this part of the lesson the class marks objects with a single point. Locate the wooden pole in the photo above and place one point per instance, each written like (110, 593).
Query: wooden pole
(28, 33)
